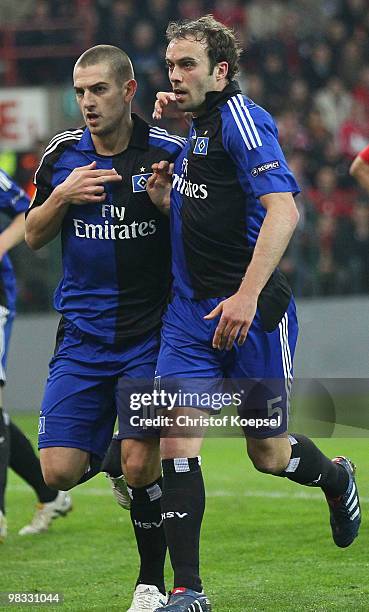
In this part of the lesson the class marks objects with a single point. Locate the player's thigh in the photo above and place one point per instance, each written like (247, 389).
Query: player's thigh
(77, 412)
(263, 370)
(78, 408)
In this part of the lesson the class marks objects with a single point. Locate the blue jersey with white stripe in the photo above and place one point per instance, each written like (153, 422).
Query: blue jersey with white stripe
(116, 254)
(232, 158)
(13, 201)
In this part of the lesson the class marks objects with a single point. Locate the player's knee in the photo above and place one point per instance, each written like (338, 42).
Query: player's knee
(141, 461)
(138, 471)
(56, 478)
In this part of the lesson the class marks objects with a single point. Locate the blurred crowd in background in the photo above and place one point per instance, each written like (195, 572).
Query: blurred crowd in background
(305, 61)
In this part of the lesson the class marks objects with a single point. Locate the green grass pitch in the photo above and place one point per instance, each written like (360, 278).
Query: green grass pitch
(266, 543)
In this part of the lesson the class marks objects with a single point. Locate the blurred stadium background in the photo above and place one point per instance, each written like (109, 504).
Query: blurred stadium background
(307, 62)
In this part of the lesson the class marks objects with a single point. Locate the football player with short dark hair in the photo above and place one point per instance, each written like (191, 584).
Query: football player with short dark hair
(91, 188)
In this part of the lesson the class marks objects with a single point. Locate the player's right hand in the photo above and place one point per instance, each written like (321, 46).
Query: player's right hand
(163, 98)
(159, 185)
(85, 185)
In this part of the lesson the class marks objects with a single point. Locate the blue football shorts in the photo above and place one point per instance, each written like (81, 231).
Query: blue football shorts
(257, 375)
(89, 385)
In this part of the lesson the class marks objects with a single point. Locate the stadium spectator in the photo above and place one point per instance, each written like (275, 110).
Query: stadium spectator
(233, 14)
(327, 197)
(358, 248)
(354, 132)
(144, 52)
(319, 139)
(335, 36)
(16, 12)
(361, 89)
(300, 99)
(293, 135)
(350, 63)
(116, 20)
(190, 9)
(275, 79)
(15, 449)
(326, 270)
(352, 251)
(260, 28)
(159, 13)
(246, 334)
(255, 87)
(333, 102)
(351, 13)
(319, 65)
(115, 285)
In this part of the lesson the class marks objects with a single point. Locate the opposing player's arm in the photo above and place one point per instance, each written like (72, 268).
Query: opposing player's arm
(359, 169)
(85, 185)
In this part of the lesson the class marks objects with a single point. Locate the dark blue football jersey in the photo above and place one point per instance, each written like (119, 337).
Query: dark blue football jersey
(116, 254)
(13, 200)
(232, 158)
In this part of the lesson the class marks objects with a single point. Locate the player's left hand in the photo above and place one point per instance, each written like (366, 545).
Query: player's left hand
(236, 315)
(159, 185)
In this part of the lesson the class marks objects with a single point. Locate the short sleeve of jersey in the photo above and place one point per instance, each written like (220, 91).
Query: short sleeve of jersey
(364, 155)
(170, 143)
(13, 200)
(251, 138)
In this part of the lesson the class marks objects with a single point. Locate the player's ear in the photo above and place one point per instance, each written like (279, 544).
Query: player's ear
(221, 70)
(129, 90)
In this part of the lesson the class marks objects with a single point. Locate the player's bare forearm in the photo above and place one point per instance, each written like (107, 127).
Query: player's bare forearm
(12, 235)
(43, 223)
(360, 171)
(279, 224)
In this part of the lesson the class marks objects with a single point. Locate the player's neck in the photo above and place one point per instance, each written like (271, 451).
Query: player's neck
(117, 141)
(218, 87)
